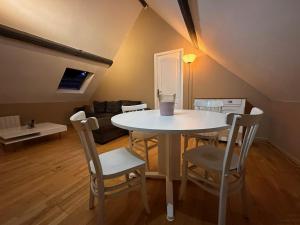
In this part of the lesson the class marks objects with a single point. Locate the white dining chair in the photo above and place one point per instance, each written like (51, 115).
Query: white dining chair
(224, 170)
(211, 137)
(143, 141)
(116, 163)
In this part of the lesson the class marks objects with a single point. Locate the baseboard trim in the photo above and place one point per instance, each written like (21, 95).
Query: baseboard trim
(295, 161)
(263, 139)
(287, 155)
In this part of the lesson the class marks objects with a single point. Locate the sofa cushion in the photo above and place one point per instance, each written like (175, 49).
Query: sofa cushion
(108, 135)
(103, 115)
(113, 107)
(99, 107)
(129, 102)
(105, 123)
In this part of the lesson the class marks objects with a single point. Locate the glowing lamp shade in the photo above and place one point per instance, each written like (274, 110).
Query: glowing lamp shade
(189, 58)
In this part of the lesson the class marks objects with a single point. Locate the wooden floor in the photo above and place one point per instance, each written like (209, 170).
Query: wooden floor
(46, 182)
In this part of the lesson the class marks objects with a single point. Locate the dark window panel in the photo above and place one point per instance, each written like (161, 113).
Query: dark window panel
(73, 79)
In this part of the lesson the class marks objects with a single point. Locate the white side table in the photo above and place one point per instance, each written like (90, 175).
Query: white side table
(22, 133)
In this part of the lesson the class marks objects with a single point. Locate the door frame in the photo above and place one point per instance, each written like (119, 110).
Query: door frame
(180, 51)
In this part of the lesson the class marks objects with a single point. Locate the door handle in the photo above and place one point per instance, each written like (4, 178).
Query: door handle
(157, 92)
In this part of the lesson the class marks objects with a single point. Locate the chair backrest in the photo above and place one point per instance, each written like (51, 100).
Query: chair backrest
(132, 108)
(9, 122)
(214, 106)
(84, 127)
(251, 123)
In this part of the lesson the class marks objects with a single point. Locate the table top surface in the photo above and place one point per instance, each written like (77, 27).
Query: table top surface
(182, 121)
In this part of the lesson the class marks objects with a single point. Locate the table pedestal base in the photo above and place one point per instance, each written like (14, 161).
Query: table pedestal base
(169, 155)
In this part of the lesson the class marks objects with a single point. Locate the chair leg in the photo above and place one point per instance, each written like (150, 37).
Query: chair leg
(244, 200)
(206, 174)
(212, 141)
(209, 141)
(144, 191)
(130, 141)
(92, 199)
(186, 143)
(127, 177)
(147, 154)
(223, 202)
(217, 141)
(100, 219)
(197, 141)
(183, 179)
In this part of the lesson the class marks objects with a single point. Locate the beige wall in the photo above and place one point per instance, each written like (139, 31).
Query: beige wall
(57, 112)
(257, 40)
(90, 27)
(132, 74)
(211, 80)
(285, 128)
(32, 74)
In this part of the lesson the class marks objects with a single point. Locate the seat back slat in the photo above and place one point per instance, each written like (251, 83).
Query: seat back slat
(84, 127)
(251, 123)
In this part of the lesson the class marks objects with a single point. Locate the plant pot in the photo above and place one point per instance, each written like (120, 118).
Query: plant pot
(167, 105)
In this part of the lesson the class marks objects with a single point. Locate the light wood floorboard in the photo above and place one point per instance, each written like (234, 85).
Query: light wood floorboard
(45, 181)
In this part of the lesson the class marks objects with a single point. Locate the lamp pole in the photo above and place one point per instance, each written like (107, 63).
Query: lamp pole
(189, 87)
(189, 58)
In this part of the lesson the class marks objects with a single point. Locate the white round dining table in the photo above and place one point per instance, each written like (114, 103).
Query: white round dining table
(169, 130)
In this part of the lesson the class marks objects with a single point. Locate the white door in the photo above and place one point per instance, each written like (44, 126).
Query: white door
(168, 76)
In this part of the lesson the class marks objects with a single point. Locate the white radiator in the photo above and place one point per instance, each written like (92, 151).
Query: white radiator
(9, 121)
(235, 105)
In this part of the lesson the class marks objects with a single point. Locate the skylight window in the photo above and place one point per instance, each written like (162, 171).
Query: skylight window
(73, 79)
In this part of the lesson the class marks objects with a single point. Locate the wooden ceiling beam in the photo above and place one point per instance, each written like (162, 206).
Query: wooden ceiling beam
(144, 3)
(188, 20)
(12, 33)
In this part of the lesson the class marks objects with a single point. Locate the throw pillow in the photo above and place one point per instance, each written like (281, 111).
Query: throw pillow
(99, 107)
(113, 107)
(129, 102)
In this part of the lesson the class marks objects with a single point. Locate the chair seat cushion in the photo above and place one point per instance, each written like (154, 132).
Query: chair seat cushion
(209, 157)
(117, 161)
(143, 135)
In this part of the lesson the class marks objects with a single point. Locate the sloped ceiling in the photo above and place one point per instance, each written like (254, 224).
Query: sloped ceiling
(32, 74)
(257, 40)
(170, 12)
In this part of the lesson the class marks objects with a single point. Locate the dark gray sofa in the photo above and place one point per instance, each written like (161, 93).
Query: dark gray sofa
(103, 111)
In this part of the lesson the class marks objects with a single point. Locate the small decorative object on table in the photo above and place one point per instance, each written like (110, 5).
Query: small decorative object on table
(167, 104)
(31, 124)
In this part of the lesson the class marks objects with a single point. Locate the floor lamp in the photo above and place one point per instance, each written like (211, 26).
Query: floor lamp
(189, 59)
